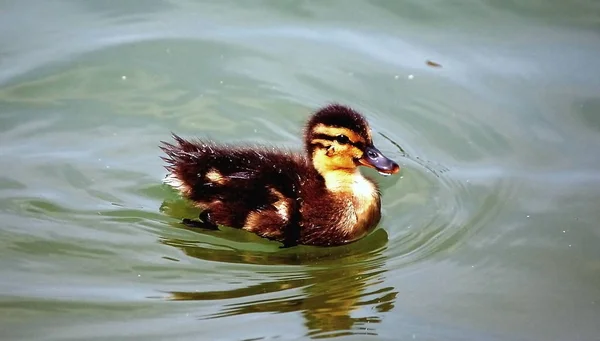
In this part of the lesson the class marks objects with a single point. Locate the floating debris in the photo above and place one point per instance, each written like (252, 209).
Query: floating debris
(432, 63)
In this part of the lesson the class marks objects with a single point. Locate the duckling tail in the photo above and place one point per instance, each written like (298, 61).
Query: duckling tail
(179, 157)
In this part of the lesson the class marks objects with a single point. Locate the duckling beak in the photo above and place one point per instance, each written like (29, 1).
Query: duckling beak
(373, 158)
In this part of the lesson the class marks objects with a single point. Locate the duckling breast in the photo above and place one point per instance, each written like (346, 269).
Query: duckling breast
(347, 209)
(366, 206)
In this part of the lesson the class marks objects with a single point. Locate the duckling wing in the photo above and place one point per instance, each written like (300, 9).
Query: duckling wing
(243, 187)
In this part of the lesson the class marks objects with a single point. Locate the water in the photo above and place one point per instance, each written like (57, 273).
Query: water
(489, 233)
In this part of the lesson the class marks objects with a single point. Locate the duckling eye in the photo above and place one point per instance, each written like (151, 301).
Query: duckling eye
(342, 139)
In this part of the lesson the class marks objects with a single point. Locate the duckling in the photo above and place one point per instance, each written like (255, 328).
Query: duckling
(317, 198)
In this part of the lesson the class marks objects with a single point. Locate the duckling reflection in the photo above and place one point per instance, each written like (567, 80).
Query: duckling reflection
(335, 283)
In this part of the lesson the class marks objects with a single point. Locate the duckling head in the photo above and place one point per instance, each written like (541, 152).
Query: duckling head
(338, 138)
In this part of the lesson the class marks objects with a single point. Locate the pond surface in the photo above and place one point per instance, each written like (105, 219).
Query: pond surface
(490, 232)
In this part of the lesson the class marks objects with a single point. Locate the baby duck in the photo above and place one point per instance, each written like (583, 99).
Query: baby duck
(319, 198)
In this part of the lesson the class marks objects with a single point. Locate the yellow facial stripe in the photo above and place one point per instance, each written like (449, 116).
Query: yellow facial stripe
(325, 143)
(335, 131)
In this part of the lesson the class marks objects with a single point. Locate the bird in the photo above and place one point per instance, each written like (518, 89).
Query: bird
(316, 197)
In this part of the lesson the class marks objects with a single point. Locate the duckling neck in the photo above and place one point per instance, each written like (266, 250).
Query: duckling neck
(353, 184)
(348, 181)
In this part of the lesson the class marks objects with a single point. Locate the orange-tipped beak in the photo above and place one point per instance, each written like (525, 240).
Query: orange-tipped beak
(373, 158)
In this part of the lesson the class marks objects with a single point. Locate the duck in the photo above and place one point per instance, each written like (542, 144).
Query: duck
(317, 197)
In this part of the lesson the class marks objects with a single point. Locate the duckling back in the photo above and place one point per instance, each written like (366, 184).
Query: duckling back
(256, 189)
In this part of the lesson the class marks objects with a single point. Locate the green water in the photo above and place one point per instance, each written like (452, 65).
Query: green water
(491, 231)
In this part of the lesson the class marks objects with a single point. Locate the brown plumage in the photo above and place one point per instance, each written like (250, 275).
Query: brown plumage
(319, 198)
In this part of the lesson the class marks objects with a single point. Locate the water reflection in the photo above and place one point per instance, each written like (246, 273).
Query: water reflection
(328, 286)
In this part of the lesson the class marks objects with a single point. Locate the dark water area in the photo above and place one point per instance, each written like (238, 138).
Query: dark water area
(490, 232)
